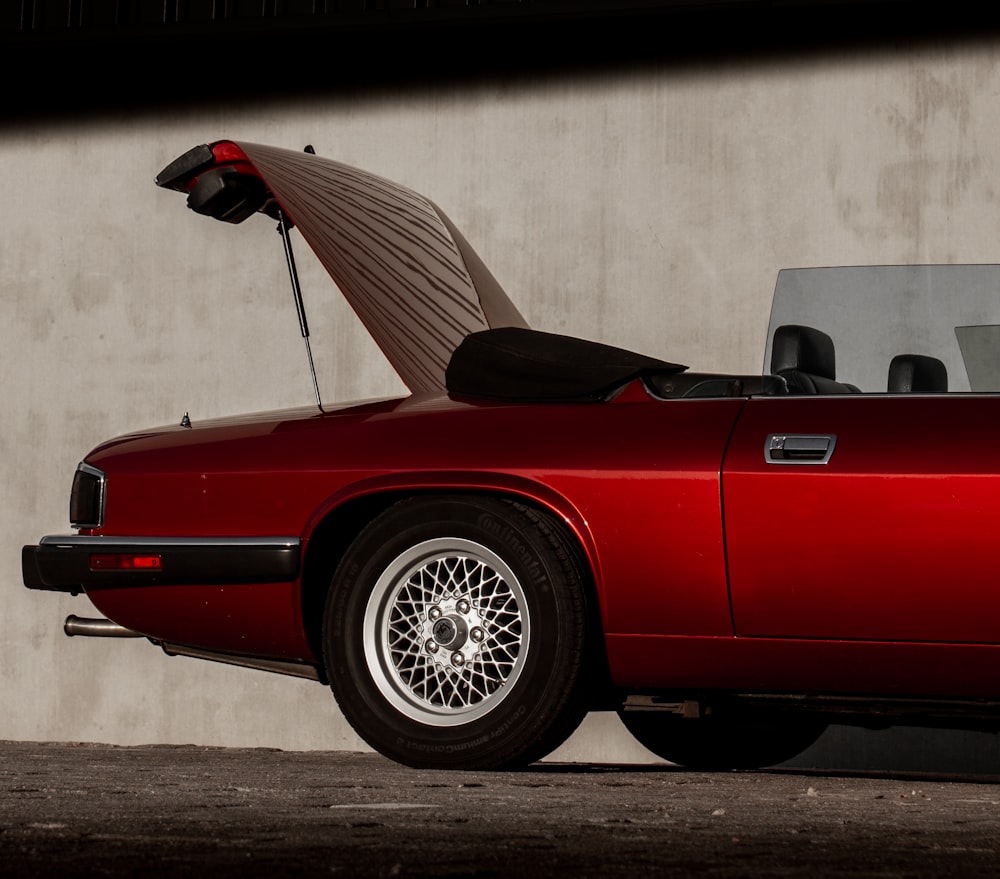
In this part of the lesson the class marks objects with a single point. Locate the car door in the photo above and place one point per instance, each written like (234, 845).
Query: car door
(865, 517)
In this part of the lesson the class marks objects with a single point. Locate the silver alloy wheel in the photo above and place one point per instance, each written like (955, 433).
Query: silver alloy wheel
(446, 631)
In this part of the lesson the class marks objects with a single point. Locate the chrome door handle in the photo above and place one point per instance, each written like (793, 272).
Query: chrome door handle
(799, 448)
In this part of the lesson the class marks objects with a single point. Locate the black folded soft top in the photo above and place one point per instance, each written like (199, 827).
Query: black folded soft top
(514, 363)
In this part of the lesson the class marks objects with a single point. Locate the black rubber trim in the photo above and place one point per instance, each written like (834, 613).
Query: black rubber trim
(177, 174)
(63, 564)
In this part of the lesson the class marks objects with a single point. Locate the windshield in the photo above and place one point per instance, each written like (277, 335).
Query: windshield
(875, 313)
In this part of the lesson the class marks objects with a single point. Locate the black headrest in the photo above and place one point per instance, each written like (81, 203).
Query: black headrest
(803, 349)
(917, 374)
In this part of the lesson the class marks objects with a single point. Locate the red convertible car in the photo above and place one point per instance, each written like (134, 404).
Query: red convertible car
(547, 526)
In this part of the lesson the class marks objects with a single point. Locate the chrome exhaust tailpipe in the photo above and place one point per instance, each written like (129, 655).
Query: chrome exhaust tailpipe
(103, 628)
(99, 628)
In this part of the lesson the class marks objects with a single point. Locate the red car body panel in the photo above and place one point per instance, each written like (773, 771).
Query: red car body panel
(893, 540)
(808, 668)
(648, 515)
(262, 619)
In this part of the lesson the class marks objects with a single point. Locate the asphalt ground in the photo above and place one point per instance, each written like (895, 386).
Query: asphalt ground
(156, 811)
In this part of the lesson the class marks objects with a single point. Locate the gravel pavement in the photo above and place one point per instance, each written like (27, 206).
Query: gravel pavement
(156, 811)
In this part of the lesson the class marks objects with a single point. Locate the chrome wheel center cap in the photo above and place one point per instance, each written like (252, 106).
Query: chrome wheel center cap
(450, 632)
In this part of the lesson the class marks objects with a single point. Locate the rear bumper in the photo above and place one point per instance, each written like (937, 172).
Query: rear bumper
(67, 563)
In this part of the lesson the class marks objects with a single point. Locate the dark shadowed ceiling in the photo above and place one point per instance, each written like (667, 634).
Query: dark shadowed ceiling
(80, 57)
(124, 19)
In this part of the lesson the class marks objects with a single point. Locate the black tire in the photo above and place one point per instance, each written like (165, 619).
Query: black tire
(719, 743)
(455, 634)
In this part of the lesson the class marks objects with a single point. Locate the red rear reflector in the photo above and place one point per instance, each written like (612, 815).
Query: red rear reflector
(124, 562)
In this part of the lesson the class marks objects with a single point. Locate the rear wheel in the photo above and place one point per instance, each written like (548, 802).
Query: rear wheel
(741, 741)
(455, 634)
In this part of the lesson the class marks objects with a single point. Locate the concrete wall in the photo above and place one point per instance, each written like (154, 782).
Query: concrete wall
(650, 209)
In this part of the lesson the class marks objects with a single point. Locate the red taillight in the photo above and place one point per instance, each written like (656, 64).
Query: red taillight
(227, 151)
(121, 561)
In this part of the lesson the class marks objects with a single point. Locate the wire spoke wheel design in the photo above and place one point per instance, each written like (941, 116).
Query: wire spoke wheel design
(446, 632)
(455, 633)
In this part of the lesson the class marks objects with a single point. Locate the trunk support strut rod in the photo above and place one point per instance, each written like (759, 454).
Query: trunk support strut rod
(284, 228)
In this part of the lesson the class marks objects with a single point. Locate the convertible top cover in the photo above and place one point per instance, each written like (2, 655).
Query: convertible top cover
(512, 363)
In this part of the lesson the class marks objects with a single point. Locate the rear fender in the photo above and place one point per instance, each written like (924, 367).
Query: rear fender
(339, 521)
